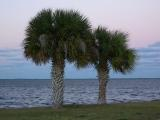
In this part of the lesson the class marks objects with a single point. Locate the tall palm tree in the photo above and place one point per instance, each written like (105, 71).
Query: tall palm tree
(56, 36)
(113, 52)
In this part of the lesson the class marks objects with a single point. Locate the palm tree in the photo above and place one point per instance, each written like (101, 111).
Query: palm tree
(56, 37)
(113, 52)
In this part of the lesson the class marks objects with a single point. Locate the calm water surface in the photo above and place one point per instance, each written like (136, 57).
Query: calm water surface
(35, 93)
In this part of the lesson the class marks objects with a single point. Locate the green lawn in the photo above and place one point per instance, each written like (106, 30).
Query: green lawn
(128, 111)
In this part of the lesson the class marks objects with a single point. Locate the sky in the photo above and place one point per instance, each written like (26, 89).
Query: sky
(139, 18)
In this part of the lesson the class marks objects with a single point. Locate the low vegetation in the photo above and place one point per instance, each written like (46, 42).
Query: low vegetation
(128, 111)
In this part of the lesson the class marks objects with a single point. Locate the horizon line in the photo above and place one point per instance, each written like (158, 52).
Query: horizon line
(69, 78)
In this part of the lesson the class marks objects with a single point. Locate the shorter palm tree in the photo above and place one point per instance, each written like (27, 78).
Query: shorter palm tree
(112, 52)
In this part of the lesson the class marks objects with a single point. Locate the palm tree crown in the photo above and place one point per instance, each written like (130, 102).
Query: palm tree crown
(113, 50)
(61, 32)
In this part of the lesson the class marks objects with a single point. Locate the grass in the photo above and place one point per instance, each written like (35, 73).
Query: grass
(128, 111)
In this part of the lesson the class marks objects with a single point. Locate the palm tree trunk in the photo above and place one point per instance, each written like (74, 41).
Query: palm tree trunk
(103, 75)
(57, 83)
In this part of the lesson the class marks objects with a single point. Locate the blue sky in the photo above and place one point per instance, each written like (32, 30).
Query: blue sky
(140, 18)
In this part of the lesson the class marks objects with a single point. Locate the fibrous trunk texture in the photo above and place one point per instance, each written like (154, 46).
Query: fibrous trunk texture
(57, 83)
(103, 75)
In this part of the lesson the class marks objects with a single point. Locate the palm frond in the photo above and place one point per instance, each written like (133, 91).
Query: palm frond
(125, 62)
(74, 30)
(39, 27)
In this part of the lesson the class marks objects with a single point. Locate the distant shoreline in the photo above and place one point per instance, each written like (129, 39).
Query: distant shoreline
(86, 79)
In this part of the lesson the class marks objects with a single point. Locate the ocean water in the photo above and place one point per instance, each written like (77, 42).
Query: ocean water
(37, 93)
